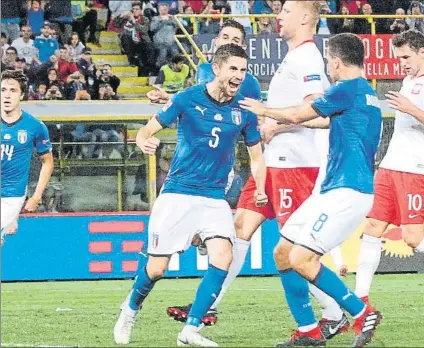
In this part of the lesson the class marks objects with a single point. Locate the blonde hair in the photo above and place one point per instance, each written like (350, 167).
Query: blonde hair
(314, 9)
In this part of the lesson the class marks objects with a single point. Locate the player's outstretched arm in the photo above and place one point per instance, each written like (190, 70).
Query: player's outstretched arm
(291, 115)
(145, 139)
(258, 169)
(399, 102)
(43, 180)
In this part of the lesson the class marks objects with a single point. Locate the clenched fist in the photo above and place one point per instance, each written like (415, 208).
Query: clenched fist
(149, 146)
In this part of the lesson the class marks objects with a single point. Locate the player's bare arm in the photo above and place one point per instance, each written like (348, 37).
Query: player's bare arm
(291, 115)
(258, 168)
(399, 102)
(43, 179)
(145, 139)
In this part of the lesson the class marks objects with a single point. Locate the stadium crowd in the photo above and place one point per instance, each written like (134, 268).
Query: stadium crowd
(47, 39)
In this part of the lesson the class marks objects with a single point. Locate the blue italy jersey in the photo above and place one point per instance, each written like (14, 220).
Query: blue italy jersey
(355, 131)
(18, 140)
(250, 87)
(207, 134)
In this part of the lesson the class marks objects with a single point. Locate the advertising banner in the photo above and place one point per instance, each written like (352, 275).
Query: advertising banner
(106, 246)
(266, 52)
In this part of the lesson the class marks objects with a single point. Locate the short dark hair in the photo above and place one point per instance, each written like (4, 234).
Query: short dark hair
(348, 47)
(18, 76)
(225, 52)
(178, 58)
(412, 38)
(231, 23)
(11, 48)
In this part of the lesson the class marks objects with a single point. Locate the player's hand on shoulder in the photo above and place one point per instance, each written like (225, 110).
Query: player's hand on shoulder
(253, 105)
(261, 199)
(399, 102)
(150, 145)
(268, 131)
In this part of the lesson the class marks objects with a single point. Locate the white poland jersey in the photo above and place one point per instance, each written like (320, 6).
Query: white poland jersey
(406, 149)
(301, 74)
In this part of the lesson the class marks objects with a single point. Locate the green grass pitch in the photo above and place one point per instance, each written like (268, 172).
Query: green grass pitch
(253, 314)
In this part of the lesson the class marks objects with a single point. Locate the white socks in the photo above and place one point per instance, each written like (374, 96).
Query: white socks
(336, 255)
(420, 247)
(368, 261)
(330, 309)
(240, 249)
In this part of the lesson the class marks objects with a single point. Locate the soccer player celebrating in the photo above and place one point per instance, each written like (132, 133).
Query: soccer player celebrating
(192, 202)
(20, 133)
(231, 32)
(291, 154)
(399, 183)
(327, 219)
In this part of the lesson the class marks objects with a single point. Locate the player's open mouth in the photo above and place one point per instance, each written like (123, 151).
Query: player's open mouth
(234, 85)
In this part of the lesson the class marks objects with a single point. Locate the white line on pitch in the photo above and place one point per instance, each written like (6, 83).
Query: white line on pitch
(33, 345)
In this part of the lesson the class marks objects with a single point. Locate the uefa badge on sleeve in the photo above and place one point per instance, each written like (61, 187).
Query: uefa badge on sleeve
(236, 116)
(22, 136)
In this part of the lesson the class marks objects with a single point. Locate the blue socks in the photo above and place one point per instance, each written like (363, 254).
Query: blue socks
(141, 288)
(332, 285)
(297, 294)
(206, 294)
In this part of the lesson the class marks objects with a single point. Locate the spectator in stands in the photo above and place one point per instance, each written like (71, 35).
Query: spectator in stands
(416, 23)
(8, 61)
(265, 26)
(87, 67)
(66, 67)
(25, 46)
(45, 43)
(59, 13)
(106, 76)
(196, 5)
(259, 6)
(276, 7)
(54, 86)
(173, 6)
(354, 6)
(55, 92)
(11, 13)
(74, 83)
(212, 25)
(3, 45)
(39, 93)
(35, 16)
(37, 73)
(188, 24)
(173, 77)
(241, 7)
(341, 25)
(323, 27)
(85, 16)
(164, 28)
(75, 47)
(136, 41)
(118, 10)
(399, 25)
(361, 25)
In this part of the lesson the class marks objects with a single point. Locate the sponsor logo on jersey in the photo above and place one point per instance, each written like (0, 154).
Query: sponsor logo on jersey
(236, 116)
(417, 88)
(202, 111)
(7, 137)
(167, 105)
(22, 136)
(155, 241)
(312, 78)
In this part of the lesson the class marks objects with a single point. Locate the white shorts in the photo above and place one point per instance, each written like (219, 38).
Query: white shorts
(177, 218)
(10, 209)
(326, 220)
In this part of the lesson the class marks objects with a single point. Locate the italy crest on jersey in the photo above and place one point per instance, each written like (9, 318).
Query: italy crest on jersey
(22, 136)
(236, 116)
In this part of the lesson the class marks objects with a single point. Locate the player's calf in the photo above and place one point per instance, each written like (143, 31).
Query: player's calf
(413, 235)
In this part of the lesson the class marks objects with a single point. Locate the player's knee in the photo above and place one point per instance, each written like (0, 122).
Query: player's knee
(242, 231)
(156, 273)
(413, 235)
(281, 256)
(375, 228)
(221, 259)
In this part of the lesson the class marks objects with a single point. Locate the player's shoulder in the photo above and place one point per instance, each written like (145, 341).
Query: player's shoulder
(31, 120)
(307, 52)
(251, 79)
(188, 94)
